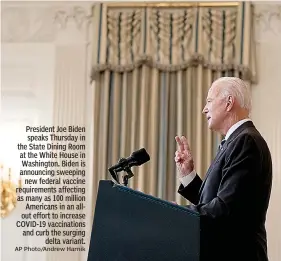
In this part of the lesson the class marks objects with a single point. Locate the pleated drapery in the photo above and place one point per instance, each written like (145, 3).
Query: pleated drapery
(152, 69)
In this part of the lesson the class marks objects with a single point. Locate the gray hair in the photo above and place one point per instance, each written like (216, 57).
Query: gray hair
(238, 88)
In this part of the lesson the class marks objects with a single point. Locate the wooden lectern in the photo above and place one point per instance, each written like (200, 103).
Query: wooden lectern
(132, 226)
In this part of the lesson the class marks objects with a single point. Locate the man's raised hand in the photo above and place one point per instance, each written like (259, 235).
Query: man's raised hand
(183, 157)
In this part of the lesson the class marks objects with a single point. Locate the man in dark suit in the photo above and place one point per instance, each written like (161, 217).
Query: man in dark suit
(234, 196)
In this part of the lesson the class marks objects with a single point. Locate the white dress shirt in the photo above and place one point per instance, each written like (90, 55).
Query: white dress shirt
(188, 178)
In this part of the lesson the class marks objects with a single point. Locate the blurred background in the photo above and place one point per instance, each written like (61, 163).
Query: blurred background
(136, 75)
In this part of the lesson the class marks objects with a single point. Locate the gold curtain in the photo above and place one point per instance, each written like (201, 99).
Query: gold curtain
(152, 70)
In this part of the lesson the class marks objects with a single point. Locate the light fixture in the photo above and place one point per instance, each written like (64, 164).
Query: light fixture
(8, 193)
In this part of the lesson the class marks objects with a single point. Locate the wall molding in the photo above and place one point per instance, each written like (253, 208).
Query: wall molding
(267, 21)
(36, 22)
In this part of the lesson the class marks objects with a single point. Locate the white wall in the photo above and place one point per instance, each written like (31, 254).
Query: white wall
(46, 55)
(266, 108)
(27, 99)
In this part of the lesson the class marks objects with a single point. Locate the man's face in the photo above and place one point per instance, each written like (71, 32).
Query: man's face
(215, 108)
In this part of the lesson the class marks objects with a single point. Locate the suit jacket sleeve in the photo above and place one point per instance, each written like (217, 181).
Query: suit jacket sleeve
(191, 191)
(239, 176)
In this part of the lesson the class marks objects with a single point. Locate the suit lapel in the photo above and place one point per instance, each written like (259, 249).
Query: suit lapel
(218, 156)
(247, 124)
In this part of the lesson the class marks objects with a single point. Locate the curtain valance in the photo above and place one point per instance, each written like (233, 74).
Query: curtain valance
(170, 39)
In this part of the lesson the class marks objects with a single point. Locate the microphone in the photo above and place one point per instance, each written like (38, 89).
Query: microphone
(137, 158)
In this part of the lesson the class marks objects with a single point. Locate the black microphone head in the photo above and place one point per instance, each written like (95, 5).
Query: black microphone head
(139, 157)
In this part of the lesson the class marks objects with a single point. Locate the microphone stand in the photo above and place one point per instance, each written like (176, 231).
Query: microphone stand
(125, 168)
(127, 176)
